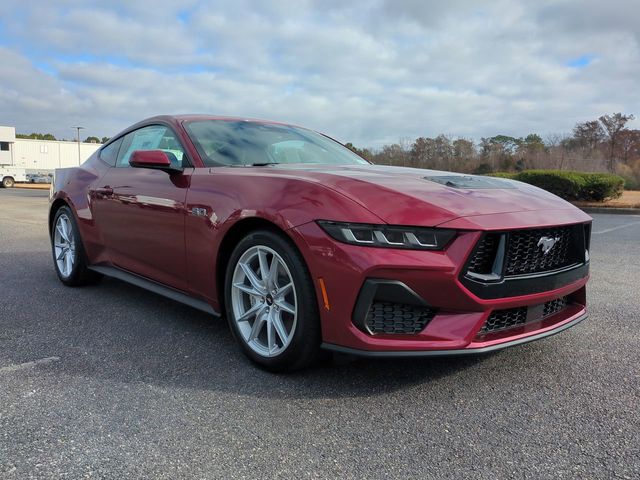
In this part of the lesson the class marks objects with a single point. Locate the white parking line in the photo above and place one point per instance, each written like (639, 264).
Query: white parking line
(22, 366)
(607, 230)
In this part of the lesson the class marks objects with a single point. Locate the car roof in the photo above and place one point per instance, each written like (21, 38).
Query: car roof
(176, 120)
(200, 116)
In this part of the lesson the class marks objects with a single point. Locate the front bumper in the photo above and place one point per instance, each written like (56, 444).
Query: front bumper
(434, 276)
(470, 350)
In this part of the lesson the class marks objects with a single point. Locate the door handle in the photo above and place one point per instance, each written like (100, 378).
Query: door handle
(104, 191)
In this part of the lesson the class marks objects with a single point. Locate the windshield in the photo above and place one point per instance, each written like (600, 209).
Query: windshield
(225, 142)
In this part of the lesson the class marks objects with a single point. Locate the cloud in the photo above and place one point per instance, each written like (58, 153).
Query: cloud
(365, 72)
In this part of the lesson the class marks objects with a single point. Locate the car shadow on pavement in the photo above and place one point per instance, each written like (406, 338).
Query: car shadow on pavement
(119, 332)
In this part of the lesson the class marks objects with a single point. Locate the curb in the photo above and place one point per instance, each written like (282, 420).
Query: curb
(611, 210)
(33, 186)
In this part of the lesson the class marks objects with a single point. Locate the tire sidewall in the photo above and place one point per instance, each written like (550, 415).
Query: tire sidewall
(7, 182)
(306, 336)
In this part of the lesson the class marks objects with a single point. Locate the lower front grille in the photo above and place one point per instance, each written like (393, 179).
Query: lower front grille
(554, 306)
(504, 319)
(398, 318)
(516, 317)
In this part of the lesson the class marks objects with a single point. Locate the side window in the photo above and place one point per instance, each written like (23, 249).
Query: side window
(109, 154)
(153, 137)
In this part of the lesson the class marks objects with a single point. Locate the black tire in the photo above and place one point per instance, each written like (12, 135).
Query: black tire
(8, 182)
(304, 345)
(80, 274)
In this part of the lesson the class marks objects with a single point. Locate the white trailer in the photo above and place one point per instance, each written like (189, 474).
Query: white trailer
(10, 175)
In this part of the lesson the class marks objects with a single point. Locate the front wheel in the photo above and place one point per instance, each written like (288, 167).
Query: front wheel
(7, 182)
(270, 302)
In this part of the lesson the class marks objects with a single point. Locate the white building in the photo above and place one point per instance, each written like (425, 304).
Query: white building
(41, 155)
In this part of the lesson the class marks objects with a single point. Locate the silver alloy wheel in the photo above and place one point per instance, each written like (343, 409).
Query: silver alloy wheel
(64, 245)
(264, 302)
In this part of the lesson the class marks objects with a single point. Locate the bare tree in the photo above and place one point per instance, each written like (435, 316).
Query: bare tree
(464, 154)
(419, 153)
(557, 149)
(614, 125)
(628, 148)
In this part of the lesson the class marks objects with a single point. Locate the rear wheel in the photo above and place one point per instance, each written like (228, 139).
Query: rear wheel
(69, 257)
(270, 302)
(8, 182)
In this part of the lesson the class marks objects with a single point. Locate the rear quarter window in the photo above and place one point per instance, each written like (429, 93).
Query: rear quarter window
(109, 154)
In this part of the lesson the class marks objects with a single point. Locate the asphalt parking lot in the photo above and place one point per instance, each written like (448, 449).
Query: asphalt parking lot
(113, 382)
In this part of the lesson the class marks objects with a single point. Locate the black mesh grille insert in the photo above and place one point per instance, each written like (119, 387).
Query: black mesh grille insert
(503, 319)
(525, 250)
(516, 317)
(389, 317)
(554, 306)
(485, 254)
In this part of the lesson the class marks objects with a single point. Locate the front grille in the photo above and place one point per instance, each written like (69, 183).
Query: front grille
(516, 317)
(485, 255)
(389, 317)
(525, 253)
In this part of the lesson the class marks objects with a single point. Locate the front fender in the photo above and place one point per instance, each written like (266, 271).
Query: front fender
(219, 198)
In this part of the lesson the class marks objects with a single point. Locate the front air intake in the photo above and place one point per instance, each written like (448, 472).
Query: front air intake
(390, 307)
(500, 320)
(397, 318)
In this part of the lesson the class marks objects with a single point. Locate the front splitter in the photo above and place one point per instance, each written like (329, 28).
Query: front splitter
(451, 353)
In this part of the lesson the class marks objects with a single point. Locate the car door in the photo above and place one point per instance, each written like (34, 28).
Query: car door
(140, 212)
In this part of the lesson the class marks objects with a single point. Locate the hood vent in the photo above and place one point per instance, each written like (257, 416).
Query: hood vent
(470, 182)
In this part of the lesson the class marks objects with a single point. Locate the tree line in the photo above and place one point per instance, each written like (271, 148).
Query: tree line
(600, 145)
(49, 136)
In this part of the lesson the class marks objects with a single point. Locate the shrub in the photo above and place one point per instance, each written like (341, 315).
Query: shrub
(571, 185)
(512, 176)
(630, 183)
(601, 186)
(631, 175)
(483, 169)
(568, 185)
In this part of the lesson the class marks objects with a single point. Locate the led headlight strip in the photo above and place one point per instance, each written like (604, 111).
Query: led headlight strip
(388, 236)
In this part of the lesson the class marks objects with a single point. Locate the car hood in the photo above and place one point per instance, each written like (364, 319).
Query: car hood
(411, 196)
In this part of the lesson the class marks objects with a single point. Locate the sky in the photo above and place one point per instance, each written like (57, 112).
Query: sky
(367, 72)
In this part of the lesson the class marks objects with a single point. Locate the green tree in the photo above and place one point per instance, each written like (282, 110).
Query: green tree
(363, 152)
(589, 134)
(36, 136)
(533, 142)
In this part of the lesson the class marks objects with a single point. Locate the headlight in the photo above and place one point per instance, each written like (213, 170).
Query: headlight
(388, 236)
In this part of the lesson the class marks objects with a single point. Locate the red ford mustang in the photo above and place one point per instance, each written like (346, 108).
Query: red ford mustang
(302, 244)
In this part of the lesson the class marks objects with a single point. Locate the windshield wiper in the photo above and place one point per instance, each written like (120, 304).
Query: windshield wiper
(263, 164)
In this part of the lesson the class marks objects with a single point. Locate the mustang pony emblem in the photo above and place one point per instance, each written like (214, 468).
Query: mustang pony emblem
(547, 243)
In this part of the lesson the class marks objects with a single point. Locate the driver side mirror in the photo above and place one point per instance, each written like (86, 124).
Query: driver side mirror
(156, 160)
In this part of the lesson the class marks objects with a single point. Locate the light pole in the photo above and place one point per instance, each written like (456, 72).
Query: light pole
(78, 129)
